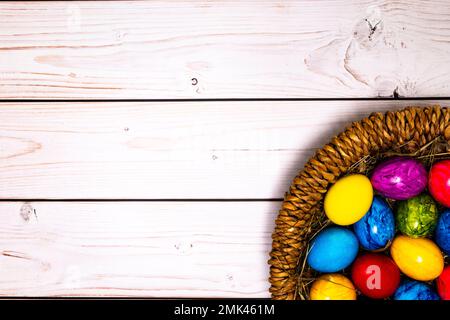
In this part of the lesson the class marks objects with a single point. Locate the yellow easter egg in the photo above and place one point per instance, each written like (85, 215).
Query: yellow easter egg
(332, 286)
(418, 258)
(349, 199)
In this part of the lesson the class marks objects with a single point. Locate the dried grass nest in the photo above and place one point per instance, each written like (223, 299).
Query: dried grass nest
(422, 133)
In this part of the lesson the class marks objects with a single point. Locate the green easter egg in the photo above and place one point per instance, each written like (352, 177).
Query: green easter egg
(417, 217)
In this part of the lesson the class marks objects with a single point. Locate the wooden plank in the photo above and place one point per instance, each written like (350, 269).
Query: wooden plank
(228, 49)
(153, 249)
(189, 150)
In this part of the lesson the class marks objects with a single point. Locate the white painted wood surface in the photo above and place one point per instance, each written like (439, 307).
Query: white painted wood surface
(227, 49)
(152, 249)
(184, 150)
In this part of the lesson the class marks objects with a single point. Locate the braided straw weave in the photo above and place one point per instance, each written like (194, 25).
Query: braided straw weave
(407, 129)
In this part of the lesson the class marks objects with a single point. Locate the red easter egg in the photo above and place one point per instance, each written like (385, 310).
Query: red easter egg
(375, 275)
(443, 284)
(439, 182)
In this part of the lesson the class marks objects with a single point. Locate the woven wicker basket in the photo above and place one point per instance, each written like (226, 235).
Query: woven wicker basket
(406, 130)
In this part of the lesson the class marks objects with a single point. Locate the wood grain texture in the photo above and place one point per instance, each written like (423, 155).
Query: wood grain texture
(156, 249)
(224, 49)
(179, 150)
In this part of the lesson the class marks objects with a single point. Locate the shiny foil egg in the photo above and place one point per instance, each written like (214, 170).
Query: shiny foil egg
(418, 216)
(443, 284)
(420, 258)
(375, 275)
(439, 182)
(348, 199)
(376, 229)
(442, 235)
(332, 287)
(399, 178)
(415, 290)
(332, 250)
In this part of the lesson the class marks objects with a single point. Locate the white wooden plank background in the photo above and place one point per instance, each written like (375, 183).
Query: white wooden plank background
(152, 249)
(188, 150)
(231, 150)
(232, 49)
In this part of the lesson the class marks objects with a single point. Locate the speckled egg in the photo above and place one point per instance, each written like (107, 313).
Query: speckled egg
(420, 258)
(439, 182)
(442, 235)
(399, 178)
(415, 290)
(418, 216)
(348, 199)
(332, 250)
(332, 287)
(376, 229)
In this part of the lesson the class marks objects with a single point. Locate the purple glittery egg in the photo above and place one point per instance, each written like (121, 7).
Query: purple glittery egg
(399, 178)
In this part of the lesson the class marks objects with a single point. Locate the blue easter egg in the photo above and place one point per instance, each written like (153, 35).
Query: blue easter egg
(415, 290)
(376, 229)
(333, 249)
(442, 235)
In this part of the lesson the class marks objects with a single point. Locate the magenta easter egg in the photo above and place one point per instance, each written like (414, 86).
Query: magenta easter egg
(399, 178)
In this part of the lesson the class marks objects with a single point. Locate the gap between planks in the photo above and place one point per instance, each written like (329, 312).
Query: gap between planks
(225, 99)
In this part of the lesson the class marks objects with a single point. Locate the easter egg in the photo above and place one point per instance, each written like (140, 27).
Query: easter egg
(348, 199)
(420, 259)
(443, 284)
(414, 290)
(332, 287)
(418, 216)
(442, 234)
(399, 178)
(377, 228)
(439, 182)
(332, 250)
(375, 275)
